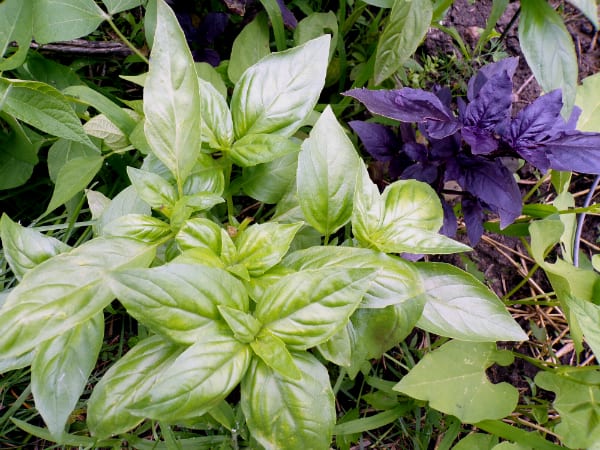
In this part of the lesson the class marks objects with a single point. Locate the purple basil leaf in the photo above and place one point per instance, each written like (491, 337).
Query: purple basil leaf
(416, 152)
(207, 55)
(493, 184)
(482, 142)
(425, 172)
(473, 214)
(438, 130)
(212, 27)
(289, 19)
(571, 124)
(507, 65)
(449, 226)
(443, 149)
(575, 151)
(535, 155)
(537, 121)
(381, 142)
(405, 105)
(444, 94)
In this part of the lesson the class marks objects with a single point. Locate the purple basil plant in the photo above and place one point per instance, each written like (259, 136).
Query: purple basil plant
(474, 146)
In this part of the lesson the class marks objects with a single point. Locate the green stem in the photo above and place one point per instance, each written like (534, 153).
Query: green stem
(124, 39)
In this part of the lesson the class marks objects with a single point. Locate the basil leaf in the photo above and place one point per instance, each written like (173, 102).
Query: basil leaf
(217, 125)
(179, 301)
(125, 382)
(249, 47)
(153, 189)
(277, 94)
(244, 326)
(326, 177)
(287, 413)
(254, 149)
(60, 371)
(305, 309)
(274, 354)
(172, 99)
(269, 182)
(200, 233)
(140, 227)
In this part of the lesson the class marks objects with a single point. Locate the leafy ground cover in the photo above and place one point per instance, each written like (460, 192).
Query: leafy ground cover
(195, 256)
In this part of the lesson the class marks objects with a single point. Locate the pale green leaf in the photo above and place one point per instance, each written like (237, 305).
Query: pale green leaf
(577, 403)
(326, 177)
(179, 301)
(102, 128)
(197, 381)
(73, 178)
(15, 26)
(172, 98)
(16, 362)
(587, 315)
(43, 107)
(588, 99)
(153, 189)
(273, 352)
(64, 291)
(250, 46)
(277, 94)
(25, 248)
(316, 24)
(140, 227)
(477, 441)
(63, 151)
(452, 378)
(208, 73)
(125, 202)
(200, 233)
(406, 27)
(548, 49)
(116, 6)
(127, 381)
(458, 305)
(269, 182)
(217, 125)
(589, 8)
(254, 149)
(63, 20)
(243, 325)
(60, 371)
(286, 413)
(305, 309)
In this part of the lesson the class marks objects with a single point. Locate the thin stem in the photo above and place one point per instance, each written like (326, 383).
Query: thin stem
(580, 219)
(125, 40)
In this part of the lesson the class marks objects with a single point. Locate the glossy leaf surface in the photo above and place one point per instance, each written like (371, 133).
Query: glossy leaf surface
(217, 125)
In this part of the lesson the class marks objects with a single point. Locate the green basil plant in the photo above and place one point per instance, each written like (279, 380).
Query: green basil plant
(262, 307)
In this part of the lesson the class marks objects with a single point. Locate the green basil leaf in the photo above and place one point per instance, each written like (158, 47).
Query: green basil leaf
(172, 98)
(25, 248)
(72, 178)
(405, 218)
(125, 202)
(16, 362)
(207, 176)
(43, 107)
(200, 233)
(139, 227)
(326, 177)
(254, 149)
(250, 46)
(460, 306)
(63, 151)
(208, 73)
(217, 125)
(50, 300)
(197, 381)
(549, 50)
(60, 371)
(127, 381)
(179, 301)
(15, 26)
(273, 352)
(288, 413)
(63, 20)
(338, 348)
(261, 246)
(244, 326)
(153, 189)
(277, 94)
(452, 378)
(269, 182)
(305, 309)
(18, 153)
(406, 27)
(315, 25)
(589, 8)
(116, 6)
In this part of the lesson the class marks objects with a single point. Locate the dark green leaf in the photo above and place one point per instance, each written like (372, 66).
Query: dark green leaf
(63, 20)
(251, 45)
(15, 26)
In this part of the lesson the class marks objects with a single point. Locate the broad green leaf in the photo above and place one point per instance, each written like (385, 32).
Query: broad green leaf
(339, 348)
(458, 305)
(587, 315)
(116, 6)
(406, 217)
(261, 246)
(64, 291)
(190, 204)
(200, 233)
(326, 177)
(179, 301)
(217, 125)
(208, 73)
(243, 325)
(315, 25)
(72, 178)
(250, 46)
(15, 26)
(197, 381)
(140, 227)
(16, 362)
(452, 378)
(125, 202)
(269, 182)
(60, 371)
(548, 49)
(305, 309)
(125, 382)
(50, 71)
(406, 27)
(25, 248)
(18, 153)
(380, 3)
(43, 107)
(254, 149)
(477, 441)
(112, 137)
(153, 189)
(63, 20)
(576, 401)
(273, 352)
(589, 8)
(63, 151)
(207, 176)
(172, 98)
(285, 413)
(588, 99)
(277, 94)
